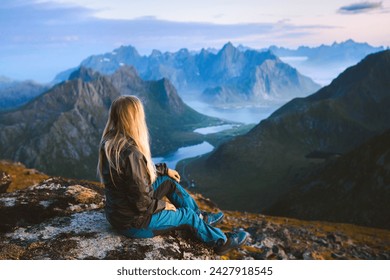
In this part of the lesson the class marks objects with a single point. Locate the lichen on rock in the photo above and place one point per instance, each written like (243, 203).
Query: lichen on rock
(57, 219)
(5, 181)
(64, 219)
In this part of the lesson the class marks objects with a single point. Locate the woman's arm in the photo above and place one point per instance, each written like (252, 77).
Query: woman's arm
(139, 186)
(174, 175)
(162, 169)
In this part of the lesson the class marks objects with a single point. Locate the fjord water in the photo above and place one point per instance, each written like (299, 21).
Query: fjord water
(251, 114)
(185, 152)
(245, 115)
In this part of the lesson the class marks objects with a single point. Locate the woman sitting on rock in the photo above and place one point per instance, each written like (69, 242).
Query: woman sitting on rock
(135, 187)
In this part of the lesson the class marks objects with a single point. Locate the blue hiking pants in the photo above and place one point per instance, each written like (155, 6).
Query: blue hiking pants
(186, 215)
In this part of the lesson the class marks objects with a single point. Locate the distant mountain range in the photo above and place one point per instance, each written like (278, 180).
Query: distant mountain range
(14, 94)
(227, 77)
(59, 131)
(251, 172)
(326, 62)
(348, 52)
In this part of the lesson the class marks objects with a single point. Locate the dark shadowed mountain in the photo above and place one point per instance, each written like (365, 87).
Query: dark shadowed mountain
(14, 94)
(59, 131)
(354, 188)
(170, 120)
(252, 171)
(226, 77)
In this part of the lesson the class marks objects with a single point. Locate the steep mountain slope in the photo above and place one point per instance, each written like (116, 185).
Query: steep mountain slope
(354, 188)
(252, 171)
(227, 77)
(252, 77)
(170, 120)
(59, 132)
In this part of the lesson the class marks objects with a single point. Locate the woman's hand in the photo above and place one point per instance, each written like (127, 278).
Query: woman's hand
(170, 206)
(174, 175)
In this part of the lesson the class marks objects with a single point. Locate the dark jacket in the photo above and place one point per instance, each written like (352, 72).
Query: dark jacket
(130, 200)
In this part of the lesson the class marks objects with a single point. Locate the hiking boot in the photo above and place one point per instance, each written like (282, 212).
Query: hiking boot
(212, 219)
(234, 240)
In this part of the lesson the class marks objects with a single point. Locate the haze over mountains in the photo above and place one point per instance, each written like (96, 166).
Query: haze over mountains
(326, 62)
(348, 52)
(229, 77)
(236, 76)
(59, 132)
(14, 94)
(254, 170)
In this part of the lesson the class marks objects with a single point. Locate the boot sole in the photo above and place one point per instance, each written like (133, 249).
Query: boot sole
(231, 248)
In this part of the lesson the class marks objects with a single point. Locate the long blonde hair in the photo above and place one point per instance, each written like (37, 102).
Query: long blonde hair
(126, 120)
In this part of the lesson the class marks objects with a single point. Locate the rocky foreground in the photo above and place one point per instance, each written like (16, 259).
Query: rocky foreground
(64, 219)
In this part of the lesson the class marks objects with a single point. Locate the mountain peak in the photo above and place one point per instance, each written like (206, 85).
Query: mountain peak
(228, 47)
(334, 120)
(229, 52)
(155, 53)
(85, 74)
(126, 75)
(129, 70)
(128, 50)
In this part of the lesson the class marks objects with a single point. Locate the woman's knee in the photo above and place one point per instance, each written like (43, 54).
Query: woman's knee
(164, 187)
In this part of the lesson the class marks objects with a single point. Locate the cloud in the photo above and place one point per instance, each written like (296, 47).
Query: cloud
(40, 39)
(43, 24)
(362, 7)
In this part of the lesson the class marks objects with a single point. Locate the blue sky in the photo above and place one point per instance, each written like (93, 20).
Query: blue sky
(39, 38)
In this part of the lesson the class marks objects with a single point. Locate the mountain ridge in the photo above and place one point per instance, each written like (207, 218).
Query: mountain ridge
(348, 50)
(67, 121)
(14, 94)
(352, 188)
(235, 71)
(325, 62)
(251, 171)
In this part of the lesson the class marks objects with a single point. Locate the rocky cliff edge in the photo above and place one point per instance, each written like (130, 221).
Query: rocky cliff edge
(64, 219)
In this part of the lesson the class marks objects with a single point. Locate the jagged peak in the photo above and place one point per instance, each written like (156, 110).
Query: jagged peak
(183, 52)
(155, 53)
(85, 74)
(348, 42)
(228, 47)
(127, 49)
